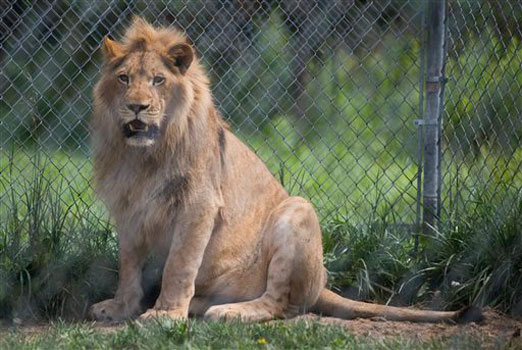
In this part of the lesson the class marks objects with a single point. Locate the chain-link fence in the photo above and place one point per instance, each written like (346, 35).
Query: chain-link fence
(326, 93)
(482, 155)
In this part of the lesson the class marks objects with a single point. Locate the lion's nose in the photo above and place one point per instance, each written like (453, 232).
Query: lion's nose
(136, 108)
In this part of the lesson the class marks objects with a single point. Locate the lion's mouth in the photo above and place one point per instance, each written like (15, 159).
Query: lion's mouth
(138, 128)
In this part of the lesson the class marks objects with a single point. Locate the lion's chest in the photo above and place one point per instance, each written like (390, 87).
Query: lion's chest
(145, 207)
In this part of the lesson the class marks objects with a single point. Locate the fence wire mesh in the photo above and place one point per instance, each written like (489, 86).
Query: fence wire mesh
(326, 93)
(482, 132)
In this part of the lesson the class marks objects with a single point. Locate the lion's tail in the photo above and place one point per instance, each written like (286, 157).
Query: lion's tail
(331, 304)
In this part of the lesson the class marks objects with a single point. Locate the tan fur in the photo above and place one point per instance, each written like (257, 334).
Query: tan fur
(235, 244)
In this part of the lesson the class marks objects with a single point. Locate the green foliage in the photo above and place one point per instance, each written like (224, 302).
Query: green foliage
(55, 253)
(476, 259)
(360, 94)
(482, 100)
(368, 261)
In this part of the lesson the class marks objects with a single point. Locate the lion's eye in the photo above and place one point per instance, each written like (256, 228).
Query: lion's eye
(123, 78)
(158, 80)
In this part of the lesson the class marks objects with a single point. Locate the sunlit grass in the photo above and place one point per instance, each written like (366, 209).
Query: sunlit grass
(164, 334)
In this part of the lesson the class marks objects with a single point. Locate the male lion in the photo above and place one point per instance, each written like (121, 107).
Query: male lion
(181, 186)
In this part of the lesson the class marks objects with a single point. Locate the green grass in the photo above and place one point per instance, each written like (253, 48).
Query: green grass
(57, 249)
(164, 334)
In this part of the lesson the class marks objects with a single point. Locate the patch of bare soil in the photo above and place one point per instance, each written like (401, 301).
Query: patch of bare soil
(495, 327)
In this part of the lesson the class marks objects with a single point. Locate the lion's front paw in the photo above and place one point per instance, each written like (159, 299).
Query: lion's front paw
(109, 310)
(174, 314)
(226, 312)
(246, 312)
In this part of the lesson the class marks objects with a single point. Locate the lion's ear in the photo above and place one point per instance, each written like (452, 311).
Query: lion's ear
(111, 49)
(181, 56)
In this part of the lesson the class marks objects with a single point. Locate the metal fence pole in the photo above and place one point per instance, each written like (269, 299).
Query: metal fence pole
(436, 16)
(418, 123)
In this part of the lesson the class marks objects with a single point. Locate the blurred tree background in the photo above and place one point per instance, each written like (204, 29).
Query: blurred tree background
(332, 82)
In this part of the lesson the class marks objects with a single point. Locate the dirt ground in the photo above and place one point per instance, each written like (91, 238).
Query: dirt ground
(495, 327)
(494, 330)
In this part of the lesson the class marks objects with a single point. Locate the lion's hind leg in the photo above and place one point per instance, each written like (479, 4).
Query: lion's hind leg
(295, 274)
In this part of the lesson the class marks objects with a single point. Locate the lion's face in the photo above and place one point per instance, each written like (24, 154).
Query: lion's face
(142, 85)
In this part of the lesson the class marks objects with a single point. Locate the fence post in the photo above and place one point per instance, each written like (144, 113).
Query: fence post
(435, 52)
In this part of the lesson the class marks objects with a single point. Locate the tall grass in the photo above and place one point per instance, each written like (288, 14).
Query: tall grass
(56, 255)
(477, 258)
(473, 259)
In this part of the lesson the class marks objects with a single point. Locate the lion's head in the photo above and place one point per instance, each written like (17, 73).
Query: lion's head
(145, 85)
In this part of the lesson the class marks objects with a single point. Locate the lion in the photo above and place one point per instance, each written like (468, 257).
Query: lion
(182, 187)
